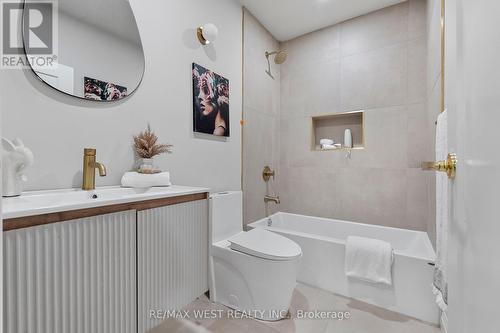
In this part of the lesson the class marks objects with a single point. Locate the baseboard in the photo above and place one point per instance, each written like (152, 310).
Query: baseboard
(444, 322)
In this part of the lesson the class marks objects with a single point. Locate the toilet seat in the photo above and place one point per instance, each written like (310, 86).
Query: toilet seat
(265, 244)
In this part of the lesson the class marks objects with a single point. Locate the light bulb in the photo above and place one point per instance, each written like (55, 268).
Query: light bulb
(210, 32)
(207, 33)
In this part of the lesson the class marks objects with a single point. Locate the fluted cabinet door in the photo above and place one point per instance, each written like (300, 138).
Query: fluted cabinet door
(172, 258)
(77, 276)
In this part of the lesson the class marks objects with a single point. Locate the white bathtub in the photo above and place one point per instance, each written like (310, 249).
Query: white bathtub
(323, 247)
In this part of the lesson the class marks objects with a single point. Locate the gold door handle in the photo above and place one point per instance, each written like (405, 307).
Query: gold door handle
(449, 166)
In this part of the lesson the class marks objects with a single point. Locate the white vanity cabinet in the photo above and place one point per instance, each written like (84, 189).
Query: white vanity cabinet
(172, 258)
(102, 266)
(72, 276)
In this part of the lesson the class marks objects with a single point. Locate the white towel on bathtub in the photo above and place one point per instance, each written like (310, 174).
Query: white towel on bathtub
(369, 260)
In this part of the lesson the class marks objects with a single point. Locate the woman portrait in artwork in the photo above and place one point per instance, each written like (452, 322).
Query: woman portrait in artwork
(210, 102)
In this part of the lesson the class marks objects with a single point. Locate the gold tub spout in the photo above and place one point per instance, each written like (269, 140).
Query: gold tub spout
(269, 198)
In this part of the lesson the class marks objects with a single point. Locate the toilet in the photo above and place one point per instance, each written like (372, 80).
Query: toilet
(253, 271)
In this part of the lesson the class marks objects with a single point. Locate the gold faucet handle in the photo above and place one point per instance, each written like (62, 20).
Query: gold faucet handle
(449, 166)
(267, 173)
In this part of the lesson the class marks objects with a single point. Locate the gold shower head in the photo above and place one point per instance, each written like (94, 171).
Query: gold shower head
(279, 56)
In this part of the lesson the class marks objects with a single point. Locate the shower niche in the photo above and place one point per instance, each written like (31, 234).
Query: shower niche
(333, 126)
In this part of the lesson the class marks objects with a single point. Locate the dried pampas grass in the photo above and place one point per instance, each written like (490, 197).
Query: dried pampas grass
(146, 146)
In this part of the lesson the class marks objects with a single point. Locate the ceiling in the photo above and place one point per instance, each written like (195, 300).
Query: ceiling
(287, 19)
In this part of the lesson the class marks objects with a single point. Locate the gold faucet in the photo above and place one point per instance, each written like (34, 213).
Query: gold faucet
(269, 198)
(89, 166)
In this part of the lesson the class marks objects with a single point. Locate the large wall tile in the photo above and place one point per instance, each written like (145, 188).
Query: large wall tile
(260, 91)
(375, 79)
(433, 41)
(260, 133)
(417, 22)
(298, 141)
(261, 149)
(417, 69)
(371, 195)
(417, 200)
(312, 92)
(386, 138)
(258, 94)
(420, 147)
(384, 27)
(284, 125)
(317, 47)
(261, 114)
(311, 191)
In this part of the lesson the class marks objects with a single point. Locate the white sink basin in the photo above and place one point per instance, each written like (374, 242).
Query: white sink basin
(42, 202)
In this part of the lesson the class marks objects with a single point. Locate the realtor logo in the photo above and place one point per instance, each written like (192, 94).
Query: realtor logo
(28, 33)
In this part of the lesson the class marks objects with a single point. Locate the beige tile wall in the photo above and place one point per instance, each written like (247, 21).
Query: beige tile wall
(261, 104)
(376, 62)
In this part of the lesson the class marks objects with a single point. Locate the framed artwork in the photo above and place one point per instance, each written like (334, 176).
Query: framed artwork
(210, 102)
(102, 91)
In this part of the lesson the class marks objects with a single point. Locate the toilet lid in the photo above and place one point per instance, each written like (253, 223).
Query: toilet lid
(265, 244)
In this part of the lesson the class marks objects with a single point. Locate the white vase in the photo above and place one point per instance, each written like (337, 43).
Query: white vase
(16, 158)
(146, 165)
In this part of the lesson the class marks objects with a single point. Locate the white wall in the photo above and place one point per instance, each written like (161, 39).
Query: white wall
(472, 82)
(57, 127)
(78, 44)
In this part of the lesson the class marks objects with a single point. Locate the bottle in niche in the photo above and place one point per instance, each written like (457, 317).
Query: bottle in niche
(347, 138)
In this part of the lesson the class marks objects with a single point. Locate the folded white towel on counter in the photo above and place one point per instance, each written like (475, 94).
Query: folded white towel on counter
(142, 180)
(369, 260)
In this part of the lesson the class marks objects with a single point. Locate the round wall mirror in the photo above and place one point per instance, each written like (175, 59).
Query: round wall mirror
(88, 49)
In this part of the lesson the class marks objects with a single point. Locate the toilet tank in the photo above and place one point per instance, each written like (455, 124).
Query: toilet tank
(226, 214)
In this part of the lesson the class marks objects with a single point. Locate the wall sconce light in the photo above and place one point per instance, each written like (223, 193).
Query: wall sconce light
(207, 33)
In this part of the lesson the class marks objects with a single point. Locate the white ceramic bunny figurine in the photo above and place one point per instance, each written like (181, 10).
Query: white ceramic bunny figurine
(15, 159)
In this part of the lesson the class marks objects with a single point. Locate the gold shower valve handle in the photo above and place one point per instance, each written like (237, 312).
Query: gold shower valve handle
(449, 166)
(267, 173)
